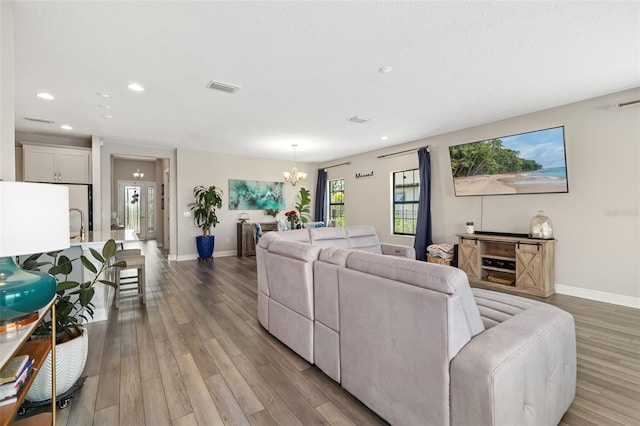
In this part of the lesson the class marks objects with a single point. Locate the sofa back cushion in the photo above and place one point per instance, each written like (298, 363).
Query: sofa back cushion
(358, 237)
(329, 237)
(334, 255)
(466, 320)
(325, 275)
(300, 235)
(394, 347)
(363, 237)
(289, 267)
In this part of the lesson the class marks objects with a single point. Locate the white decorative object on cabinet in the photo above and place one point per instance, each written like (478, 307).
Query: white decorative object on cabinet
(43, 163)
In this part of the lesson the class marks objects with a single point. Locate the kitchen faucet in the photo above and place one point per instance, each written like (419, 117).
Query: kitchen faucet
(81, 221)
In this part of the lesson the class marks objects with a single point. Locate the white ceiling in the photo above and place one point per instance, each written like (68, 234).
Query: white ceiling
(304, 68)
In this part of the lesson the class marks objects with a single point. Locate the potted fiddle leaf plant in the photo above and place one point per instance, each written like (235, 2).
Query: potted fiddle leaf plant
(73, 308)
(303, 205)
(207, 200)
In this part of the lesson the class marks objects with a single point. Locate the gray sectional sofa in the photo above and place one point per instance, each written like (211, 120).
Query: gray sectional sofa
(411, 339)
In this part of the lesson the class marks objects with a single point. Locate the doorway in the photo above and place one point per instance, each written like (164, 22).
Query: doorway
(136, 206)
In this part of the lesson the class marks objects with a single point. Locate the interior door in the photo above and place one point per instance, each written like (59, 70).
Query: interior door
(136, 207)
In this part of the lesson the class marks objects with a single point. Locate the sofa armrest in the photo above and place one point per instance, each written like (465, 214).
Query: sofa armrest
(521, 371)
(398, 250)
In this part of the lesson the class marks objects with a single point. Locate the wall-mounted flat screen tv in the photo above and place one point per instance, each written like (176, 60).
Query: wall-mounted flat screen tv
(525, 163)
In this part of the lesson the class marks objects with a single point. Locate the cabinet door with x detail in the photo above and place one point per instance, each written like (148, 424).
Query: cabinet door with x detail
(468, 258)
(530, 266)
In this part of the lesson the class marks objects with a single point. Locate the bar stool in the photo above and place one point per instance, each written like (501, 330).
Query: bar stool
(135, 260)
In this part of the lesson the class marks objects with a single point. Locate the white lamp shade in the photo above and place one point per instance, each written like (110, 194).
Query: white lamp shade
(34, 218)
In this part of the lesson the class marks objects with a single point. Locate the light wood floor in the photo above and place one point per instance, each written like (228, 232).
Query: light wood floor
(196, 355)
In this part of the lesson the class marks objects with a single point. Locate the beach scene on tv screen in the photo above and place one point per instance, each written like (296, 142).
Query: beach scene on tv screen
(526, 163)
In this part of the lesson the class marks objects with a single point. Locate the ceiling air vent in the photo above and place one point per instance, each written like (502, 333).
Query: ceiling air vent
(218, 85)
(39, 120)
(359, 120)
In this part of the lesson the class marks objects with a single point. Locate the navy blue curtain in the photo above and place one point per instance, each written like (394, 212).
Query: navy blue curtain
(424, 236)
(321, 197)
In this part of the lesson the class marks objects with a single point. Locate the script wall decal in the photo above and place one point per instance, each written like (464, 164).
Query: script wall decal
(365, 174)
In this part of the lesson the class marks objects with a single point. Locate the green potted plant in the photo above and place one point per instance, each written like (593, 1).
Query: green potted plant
(73, 307)
(303, 205)
(207, 200)
(272, 212)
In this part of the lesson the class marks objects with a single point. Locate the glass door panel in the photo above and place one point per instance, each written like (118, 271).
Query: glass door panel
(132, 207)
(150, 211)
(136, 206)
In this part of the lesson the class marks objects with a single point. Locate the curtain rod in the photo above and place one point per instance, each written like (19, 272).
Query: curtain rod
(624, 104)
(403, 152)
(336, 165)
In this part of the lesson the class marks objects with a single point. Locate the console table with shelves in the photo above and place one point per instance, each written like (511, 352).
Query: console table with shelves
(17, 343)
(246, 238)
(522, 264)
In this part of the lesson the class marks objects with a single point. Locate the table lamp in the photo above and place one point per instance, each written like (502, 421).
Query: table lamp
(34, 218)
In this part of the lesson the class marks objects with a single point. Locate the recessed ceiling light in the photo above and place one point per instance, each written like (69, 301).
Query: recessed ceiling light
(136, 87)
(385, 70)
(105, 106)
(102, 94)
(384, 138)
(45, 95)
(107, 115)
(66, 127)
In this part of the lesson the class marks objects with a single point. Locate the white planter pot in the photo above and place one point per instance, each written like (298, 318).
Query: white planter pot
(71, 357)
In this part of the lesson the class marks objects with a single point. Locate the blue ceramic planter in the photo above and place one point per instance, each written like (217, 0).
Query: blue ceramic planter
(205, 245)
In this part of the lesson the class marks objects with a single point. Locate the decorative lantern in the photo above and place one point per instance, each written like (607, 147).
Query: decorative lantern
(541, 227)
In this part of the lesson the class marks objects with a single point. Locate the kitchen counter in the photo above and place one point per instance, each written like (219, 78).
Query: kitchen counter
(94, 237)
(103, 296)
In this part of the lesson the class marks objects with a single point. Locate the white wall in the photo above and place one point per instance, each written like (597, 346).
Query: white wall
(7, 94)
(205, 168)
(123, 169)
(596, 224)
(56, 140)
(110, 148)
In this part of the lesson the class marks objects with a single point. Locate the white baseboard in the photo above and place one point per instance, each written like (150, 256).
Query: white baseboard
(194, 256)
(600, 296)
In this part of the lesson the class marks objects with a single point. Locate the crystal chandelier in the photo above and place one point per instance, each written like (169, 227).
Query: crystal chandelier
(294, 176)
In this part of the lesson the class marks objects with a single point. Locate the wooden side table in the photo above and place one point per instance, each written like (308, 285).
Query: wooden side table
(18, 343)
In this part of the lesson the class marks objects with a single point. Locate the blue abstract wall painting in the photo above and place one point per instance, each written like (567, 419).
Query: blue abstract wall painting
(255, 195)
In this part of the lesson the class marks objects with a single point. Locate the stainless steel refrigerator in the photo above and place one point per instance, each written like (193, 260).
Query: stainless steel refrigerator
(80, 197)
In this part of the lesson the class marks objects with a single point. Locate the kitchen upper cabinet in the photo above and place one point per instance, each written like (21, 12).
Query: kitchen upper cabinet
(55, 164)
